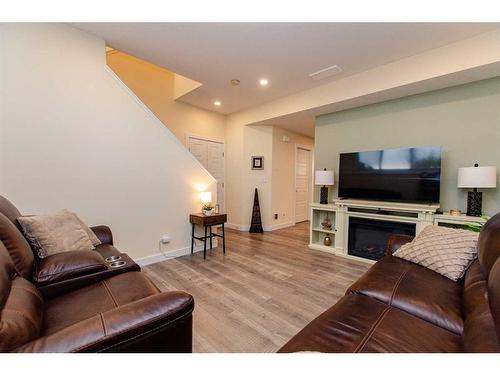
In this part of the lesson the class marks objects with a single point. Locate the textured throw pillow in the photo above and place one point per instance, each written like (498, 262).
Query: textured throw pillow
(93, 238)
(446, 251)
(56, 233)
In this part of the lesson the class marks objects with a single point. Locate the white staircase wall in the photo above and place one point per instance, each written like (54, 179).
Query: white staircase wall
(73, 136)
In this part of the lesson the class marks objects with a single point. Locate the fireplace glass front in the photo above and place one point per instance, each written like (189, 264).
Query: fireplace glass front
(368, 238)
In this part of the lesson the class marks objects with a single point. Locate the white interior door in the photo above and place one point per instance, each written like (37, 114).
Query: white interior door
(211, 155)
(303, 174)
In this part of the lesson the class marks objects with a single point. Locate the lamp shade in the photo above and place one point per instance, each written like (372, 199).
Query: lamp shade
(477, 177)
(206, 197)
(324, 178)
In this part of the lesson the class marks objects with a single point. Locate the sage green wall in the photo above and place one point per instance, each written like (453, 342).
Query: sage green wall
(464, 120)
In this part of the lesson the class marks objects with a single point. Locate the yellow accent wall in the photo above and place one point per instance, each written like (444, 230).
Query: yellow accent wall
(155, 87)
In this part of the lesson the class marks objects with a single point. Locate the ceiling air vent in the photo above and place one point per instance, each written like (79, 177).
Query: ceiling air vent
(325, 73)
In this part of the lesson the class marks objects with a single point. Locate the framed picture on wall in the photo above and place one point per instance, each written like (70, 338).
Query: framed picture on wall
(257, 162)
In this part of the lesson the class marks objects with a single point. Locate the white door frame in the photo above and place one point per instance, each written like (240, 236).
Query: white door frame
(311, 187)
(215, 140)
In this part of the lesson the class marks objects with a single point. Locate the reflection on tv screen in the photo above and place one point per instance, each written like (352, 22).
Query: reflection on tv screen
(405, 174)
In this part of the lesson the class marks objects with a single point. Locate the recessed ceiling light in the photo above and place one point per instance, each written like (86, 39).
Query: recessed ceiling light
(217, 103)
(263, 82)
(235, 82)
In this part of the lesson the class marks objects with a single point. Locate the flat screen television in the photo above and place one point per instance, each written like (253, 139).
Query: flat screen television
(399, 175)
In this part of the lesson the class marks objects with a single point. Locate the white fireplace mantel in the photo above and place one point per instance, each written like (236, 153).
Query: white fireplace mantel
(391, 206)
(341, 210)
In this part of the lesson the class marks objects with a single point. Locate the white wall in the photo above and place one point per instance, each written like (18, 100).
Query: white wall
(275, 183)
(72, 136)
(283, 179)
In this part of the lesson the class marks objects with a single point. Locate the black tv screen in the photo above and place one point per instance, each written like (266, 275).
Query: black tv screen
(400, 175)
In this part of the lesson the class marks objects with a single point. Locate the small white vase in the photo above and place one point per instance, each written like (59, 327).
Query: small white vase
(208, 212)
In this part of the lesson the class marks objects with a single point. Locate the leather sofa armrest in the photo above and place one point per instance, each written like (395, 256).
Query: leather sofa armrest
(158, 323)
(67, 265)
(396, 241)
(65, 286)
(104, 234)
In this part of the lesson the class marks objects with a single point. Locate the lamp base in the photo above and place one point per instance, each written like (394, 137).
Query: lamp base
(474, 203)
(323, 199)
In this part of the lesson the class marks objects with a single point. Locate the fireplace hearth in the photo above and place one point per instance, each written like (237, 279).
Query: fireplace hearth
(368, 238)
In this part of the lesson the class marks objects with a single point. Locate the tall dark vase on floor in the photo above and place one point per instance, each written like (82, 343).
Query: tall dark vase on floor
(256, 226)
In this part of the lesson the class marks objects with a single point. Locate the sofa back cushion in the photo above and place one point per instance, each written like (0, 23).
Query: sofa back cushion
(21, 306)
(8, 209)
(494, 294)
(480, 335)
(17, 246)
(7, 273)
(489, 244)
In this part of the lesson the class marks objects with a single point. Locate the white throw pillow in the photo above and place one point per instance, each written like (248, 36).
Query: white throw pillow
(446, 251)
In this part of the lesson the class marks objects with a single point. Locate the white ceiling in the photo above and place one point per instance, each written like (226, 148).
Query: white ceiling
(284, 53)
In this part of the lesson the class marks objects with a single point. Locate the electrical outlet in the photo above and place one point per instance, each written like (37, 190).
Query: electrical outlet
(165, 239)
(275, 216)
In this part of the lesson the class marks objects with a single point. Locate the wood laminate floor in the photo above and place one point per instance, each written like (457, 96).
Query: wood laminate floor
(261, 293)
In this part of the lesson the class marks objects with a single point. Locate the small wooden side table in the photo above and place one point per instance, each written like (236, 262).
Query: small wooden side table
(208, 222)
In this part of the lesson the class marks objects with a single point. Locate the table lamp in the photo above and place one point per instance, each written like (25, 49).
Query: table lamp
(324, 178)
(206, 197)
(476, 177)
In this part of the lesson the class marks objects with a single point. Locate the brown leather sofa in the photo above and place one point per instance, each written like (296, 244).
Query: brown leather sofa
(398, 306)
(76, 302)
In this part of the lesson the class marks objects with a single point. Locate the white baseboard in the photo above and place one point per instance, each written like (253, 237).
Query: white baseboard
(243, 228)
(266, 228)
(270, 228)
(160, 257)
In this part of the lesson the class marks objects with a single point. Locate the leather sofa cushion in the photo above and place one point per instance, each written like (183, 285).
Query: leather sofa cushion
(67, 265)
(17, 246)
(56, 289)
(95, 299)
(120, 327)
(103, 233)
(479, 328)
(8, 209)
(494, 294)
(7, 274)
(362, 324)
(414, 289)
(21, 316)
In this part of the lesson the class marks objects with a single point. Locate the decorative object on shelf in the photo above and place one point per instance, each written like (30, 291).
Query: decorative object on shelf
(256, 225)
(455, 212)
(324, 178)
(476, 177)
(258, 162)
(326, 223)
(327, 241)
(206, 203)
